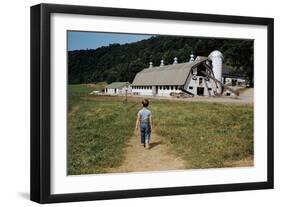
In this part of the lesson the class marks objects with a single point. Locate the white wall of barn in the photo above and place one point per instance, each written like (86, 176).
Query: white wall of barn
(148, 90)
(143, 91)
(166, 90)
(192, 84)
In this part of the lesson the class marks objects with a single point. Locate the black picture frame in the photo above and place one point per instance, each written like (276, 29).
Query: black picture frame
(41, 96)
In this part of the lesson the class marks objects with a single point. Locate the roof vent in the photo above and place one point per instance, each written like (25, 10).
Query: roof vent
(150, 65)
(191, 58)
(175, 60)
(162, 63)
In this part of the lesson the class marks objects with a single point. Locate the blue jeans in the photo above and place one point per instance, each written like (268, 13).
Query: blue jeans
(145, 131)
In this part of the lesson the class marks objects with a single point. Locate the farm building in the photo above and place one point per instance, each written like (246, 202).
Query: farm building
(232, 78)
(201, 76)
(118, 88)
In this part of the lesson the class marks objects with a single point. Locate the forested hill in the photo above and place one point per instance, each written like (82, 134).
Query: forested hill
(121, 62)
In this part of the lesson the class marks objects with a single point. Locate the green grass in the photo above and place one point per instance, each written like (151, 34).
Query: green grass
(78, 91)
(97, 132)
(206, 135)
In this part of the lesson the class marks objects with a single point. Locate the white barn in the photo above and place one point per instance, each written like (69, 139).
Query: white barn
(201, 77)
(118, 88)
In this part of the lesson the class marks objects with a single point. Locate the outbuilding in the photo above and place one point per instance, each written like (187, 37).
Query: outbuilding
(118, 88)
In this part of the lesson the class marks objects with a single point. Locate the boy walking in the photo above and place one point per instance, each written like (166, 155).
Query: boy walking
(144, 123)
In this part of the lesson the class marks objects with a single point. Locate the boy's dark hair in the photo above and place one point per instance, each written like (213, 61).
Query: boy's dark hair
(145, 103)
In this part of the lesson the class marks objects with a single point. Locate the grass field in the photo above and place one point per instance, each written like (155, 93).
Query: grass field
(205, 135)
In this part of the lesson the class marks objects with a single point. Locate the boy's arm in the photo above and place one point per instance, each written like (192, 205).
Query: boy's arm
(150, 121)
(137, 121)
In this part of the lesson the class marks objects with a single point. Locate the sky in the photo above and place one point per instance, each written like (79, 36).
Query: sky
(93, 40)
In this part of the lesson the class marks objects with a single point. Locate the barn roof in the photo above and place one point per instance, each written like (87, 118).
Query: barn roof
(118, 85)
(175, 74)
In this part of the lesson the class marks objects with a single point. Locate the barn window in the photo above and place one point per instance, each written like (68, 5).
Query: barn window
(160, 87)
(176, 87)
(209, 89)
(190, 87)
(200, 81)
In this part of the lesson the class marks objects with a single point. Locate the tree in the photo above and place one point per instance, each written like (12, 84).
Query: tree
(121, 62)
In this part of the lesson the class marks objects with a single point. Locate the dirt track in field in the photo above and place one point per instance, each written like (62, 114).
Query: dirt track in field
(157, 158)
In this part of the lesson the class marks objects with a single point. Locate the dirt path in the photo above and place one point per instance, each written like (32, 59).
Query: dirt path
(247, 95)
(158, 157)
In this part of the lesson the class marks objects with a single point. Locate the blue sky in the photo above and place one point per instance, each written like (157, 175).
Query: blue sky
(93, 40)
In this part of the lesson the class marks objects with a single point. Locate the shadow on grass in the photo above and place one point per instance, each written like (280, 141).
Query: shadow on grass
(154, 144)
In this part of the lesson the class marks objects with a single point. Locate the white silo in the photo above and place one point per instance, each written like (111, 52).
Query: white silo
(216, 57)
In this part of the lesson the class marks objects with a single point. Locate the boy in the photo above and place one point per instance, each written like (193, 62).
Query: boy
(144, 121)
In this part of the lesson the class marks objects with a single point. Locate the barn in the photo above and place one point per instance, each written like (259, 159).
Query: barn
(201, 76)
(118, 88)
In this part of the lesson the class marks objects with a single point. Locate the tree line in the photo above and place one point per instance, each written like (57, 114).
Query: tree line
(121, 62)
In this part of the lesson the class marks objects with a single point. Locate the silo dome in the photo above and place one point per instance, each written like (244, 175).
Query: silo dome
(216, 57)
(215, 53)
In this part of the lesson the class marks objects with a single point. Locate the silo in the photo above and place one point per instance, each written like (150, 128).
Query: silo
(216, 57)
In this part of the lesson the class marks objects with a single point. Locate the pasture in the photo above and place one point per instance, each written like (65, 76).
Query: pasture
(203, 134)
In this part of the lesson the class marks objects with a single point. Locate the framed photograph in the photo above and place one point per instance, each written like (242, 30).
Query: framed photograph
(133, 103)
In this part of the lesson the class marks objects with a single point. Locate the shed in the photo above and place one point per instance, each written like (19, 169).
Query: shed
(120, 88)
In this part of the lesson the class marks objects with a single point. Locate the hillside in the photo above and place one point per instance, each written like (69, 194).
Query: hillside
(121, 62)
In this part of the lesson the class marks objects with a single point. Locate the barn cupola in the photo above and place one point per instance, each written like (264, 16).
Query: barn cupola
(216, 57)
(175, 60)
(162, 63)
(150, 65)
(191, 59)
